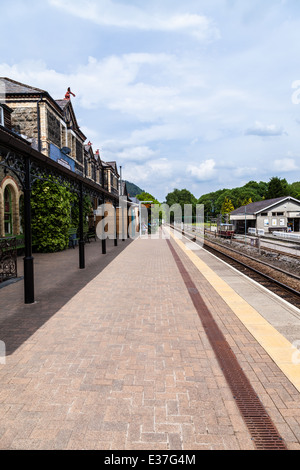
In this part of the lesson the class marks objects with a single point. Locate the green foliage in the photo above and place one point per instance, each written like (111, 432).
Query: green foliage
(156, 211)
(294, 190)
(144, 196)
(87, 208)
(277, 187)
(54, 211)
(133, 190)
(211, 203)
(181, 197)
(251, 192)
(51, 216)
(227, 206)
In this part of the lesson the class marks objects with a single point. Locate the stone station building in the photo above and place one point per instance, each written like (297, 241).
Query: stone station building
(50, 127)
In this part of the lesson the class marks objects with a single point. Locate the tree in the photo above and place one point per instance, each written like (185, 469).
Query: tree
(277, 187)
(181, 197)
(133, 189)
(212, 207)
(244, 195)
(227, 206)
(259, 188)
(144, 196)
(294, 190)
(150, 202)
(247, 201)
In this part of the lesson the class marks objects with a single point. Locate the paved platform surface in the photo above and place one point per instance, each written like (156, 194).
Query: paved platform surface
(115, 357)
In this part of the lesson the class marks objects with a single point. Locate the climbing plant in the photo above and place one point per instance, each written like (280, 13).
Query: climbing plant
(51, 216)
(54, 211)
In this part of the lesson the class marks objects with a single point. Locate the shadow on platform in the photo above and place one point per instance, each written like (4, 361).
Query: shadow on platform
(57, 279)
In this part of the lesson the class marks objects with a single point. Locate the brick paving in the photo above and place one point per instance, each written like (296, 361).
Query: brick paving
(115, 358)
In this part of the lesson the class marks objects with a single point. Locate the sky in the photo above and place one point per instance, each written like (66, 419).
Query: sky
(198, 95)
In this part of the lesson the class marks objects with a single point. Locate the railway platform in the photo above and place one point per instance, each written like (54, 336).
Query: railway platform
(156, 346)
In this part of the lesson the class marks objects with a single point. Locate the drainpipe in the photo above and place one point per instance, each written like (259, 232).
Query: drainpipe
(39, 124)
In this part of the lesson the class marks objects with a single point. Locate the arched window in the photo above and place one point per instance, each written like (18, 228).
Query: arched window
(8, 229)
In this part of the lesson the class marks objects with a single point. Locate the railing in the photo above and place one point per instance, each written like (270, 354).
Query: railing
(8, 258)
(254, 231)
(287, 235)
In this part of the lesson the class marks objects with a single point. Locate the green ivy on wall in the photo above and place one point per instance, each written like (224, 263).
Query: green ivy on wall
(87, 209)
(54, 211)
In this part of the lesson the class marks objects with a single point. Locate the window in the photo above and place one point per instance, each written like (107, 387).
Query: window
(7, 212)
(100, 176)
(264, 214)
(93, 172)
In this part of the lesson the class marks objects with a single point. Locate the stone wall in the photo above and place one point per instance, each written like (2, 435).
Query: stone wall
(24, 121)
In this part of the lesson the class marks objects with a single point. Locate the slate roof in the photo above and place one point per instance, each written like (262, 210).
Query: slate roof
(11, 86)
(62, 103)
(258, 206)
(114, 166)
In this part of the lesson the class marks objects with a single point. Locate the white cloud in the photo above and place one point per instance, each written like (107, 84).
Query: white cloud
(135, 154)
(110, 13)
(149, 90)
(265, 130)
(203, 172)
(285, 165)
(152, 172)
(243, 172)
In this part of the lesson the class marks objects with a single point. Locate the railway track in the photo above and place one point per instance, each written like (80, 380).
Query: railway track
(272, 250)
(265, 248)
(278, 281)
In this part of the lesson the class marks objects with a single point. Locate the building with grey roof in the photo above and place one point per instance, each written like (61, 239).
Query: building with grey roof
(279, 214)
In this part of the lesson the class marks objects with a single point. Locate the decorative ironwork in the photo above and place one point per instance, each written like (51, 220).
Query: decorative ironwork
(30, 166)
(44, 171)
(14, 162)
(8, 258)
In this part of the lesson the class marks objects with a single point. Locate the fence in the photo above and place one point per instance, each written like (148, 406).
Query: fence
(8, 258)
(287, 235)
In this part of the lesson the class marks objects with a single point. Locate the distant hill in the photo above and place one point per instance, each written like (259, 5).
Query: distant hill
(133, 189)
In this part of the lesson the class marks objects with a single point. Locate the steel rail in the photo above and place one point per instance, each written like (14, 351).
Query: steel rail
(246, 266)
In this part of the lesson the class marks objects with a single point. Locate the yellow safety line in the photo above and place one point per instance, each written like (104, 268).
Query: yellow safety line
(277, 346)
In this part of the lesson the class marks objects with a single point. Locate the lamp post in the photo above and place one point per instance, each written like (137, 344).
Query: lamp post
(122, 205)
(81, 237)
(28, 259)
